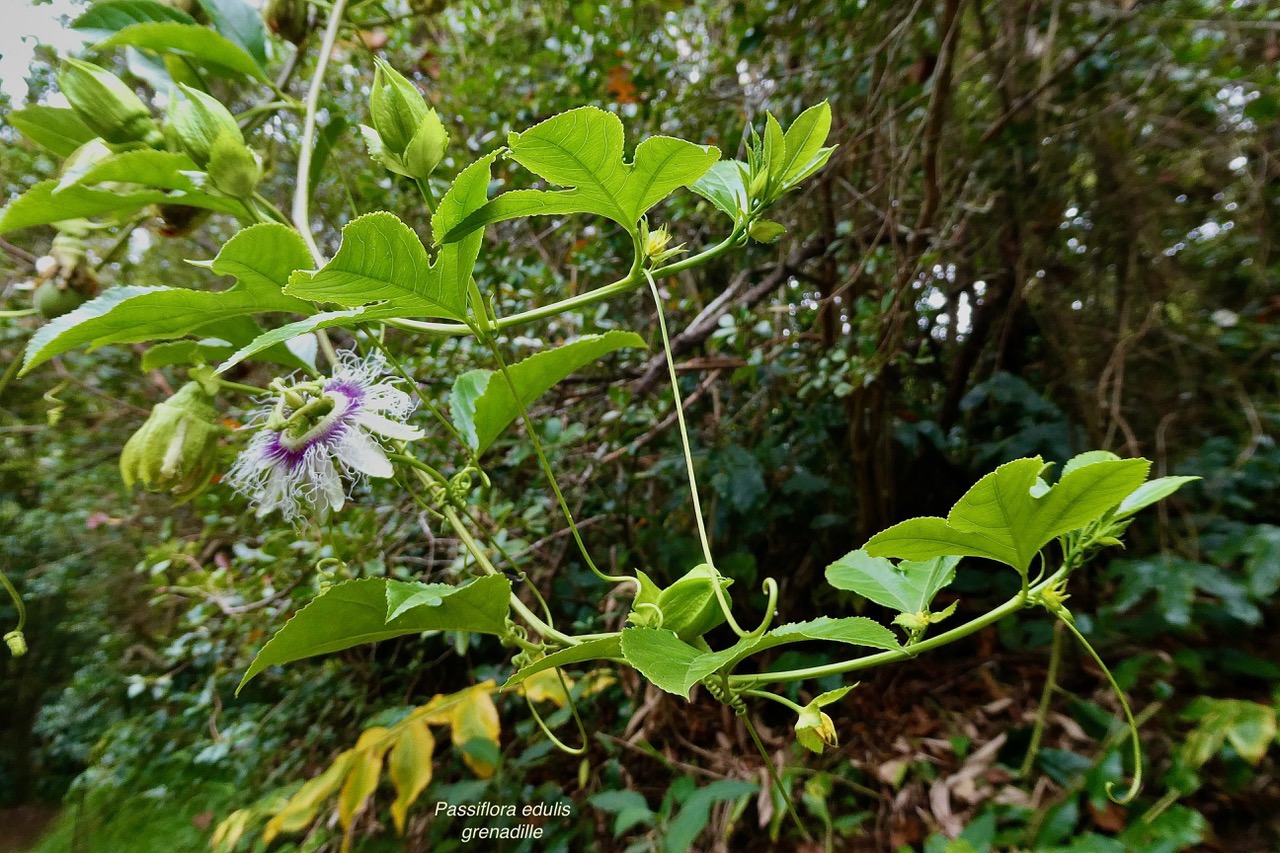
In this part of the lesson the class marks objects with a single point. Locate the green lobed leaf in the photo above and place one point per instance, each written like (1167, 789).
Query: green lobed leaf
(662, 657)
(355, 612)
(188, 41)
(604, 648)
(241, 23)
(263, 257)
(482, 404)
(110, 16)
(908, 587)
(582, 149)
(56, 128)
(1001, 520)
(258, 256)
(382, 259)
(1089, 457)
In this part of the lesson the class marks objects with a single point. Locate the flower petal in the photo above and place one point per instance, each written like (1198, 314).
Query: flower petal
(387, 427)
(330, 483)
(358, 452)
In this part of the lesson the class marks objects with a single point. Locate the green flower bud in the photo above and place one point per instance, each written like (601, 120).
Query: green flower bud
(767, 231)
(427, 147)
(65, 280)
(16, 642)
(396, 107)
(233, 168)
(104, 103)
(410, 138)
(175, 451)
(644, 608)
(689, 606)
(197, 121)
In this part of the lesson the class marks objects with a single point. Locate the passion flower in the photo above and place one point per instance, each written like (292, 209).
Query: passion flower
(316, 432)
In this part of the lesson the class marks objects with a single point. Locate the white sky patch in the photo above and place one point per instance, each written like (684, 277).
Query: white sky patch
(26, 26)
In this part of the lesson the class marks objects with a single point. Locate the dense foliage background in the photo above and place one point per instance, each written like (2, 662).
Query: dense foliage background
(1049, 228)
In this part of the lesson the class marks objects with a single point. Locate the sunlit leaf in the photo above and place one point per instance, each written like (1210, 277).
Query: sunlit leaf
(907, 587)
(352, 613)
(475, 720)
(302, 807)
(1001, 520)
(362, 777)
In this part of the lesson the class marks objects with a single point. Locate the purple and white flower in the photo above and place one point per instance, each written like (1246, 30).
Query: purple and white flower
(296, 461)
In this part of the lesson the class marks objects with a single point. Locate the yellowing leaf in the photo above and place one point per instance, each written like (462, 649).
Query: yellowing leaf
(228, 833)
(545, 686)
(362, 780)
(301, 809)
(475, 717)
(410, 767)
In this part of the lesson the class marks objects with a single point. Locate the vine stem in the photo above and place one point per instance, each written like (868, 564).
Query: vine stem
(1046, 696)
(17, 601)
(469, 542)
(1136, 784)
(684, 431)
(721, 599)
(1010, 607)
(546, 468)
(632, 280)
(775, 778)
(302, 191)
(781, 700)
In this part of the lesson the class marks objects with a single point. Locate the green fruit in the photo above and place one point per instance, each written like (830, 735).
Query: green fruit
(53, 300)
